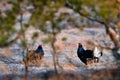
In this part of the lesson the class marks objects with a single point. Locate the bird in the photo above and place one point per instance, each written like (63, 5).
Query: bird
(88, 55)
(34, 56)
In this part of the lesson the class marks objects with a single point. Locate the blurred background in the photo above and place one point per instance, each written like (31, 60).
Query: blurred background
(59, 25)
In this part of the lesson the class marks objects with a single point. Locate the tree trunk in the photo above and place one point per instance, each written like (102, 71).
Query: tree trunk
(54, 54)
(114, 35)
(24, 47)
(26, 70)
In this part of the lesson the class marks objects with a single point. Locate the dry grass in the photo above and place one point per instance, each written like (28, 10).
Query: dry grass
(6, 53)
(5, 70)
(68, 76)
(105, 74)
(90, 45)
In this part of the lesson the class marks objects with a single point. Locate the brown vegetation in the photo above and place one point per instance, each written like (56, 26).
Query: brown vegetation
(105, 74)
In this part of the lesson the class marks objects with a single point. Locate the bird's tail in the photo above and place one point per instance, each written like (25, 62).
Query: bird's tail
(97, 52)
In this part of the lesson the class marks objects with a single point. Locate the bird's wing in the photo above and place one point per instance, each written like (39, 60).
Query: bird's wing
(89, 54)
(28, 56)
(30, 53)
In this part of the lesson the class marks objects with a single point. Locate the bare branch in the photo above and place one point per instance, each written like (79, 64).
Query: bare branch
(92, 19)
(68, 5)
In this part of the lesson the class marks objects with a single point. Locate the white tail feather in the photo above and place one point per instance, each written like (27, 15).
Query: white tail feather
(97, 52)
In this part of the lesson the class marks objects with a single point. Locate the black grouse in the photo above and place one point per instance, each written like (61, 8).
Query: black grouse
(88, 55)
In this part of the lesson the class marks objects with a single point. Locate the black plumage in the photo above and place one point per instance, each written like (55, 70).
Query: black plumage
(88, 55)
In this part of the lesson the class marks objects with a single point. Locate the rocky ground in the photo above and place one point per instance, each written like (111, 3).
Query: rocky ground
(11, 57)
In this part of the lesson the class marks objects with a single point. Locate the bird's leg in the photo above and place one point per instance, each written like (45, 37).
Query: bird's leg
(89, 60)
(96, 59)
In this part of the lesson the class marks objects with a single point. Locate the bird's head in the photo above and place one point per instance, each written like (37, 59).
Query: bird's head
(40, 45)
(39, 49)
(79, 44)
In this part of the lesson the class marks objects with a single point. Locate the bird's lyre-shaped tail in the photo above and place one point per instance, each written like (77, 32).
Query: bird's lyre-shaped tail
(97, 52)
